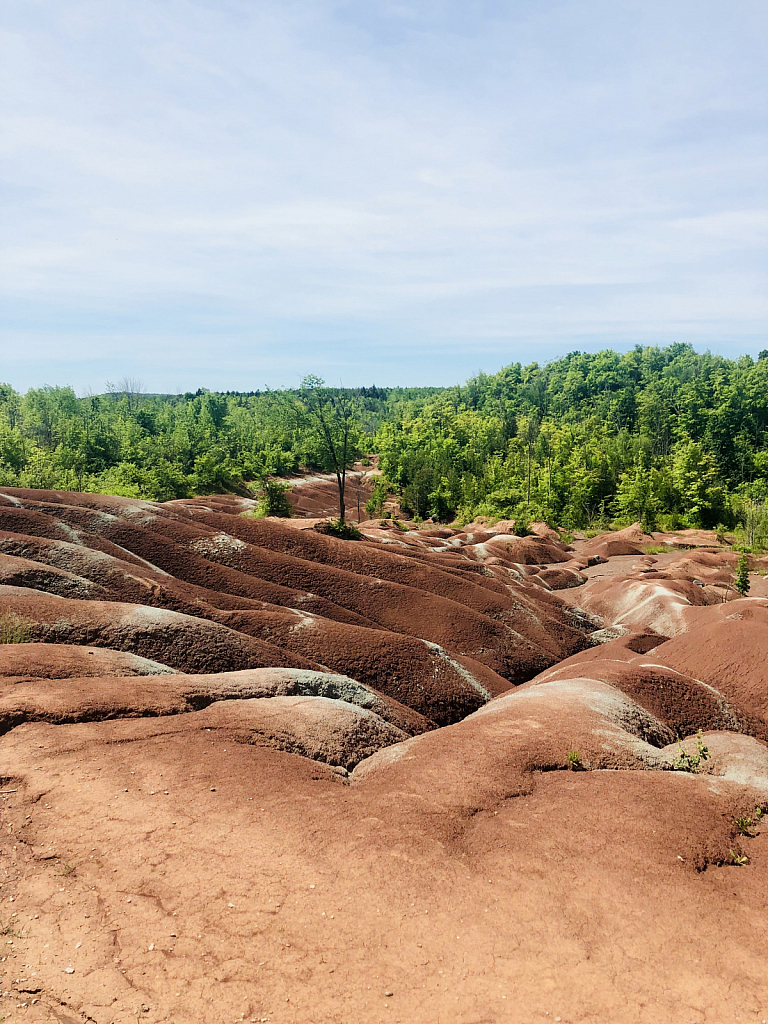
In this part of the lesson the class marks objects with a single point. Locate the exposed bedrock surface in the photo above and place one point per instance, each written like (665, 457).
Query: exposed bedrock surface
(250, 772)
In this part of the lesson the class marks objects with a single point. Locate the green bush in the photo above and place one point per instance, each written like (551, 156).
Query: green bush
(375, 504)
(338, 528)
(522, 523)
(273, 500)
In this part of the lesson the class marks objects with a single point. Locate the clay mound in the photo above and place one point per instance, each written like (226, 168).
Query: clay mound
(702, 566)
(519, 550)
(315, 727)
(739, 759)
(681, 703)
(476, 617)
(641, 602)
(89, 699)
(489, 757)
(623, 648)
(414, 672)
(146, 583)
(269, 708)
(610, 546)
(629, 541)
(101, 576)
(180, 641)
(195, 558)
(61, 661)
(164, 831)
(284, 857)
(21, 572)
(688, 539)
(561, 579)
(729, 654)
(538, 529)
(261, 537)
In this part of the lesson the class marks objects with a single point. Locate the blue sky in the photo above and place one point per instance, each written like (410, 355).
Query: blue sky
(234, 194)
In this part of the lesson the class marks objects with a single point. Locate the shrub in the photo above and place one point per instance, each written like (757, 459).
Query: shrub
(338, 528)
(273, 500)
(375, 504)
(15, 629)
(522, 524)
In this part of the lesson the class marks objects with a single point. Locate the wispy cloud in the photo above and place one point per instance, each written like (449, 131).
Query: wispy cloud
(233, 194)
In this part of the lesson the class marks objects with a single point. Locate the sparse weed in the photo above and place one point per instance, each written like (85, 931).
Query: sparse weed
(739, 859)
(574, 761)
(8, 929)
(685, 762)
(745, 824)
(67, 869)
(15, 628)
(657, 549)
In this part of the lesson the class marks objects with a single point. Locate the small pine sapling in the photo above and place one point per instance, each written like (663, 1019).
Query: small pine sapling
(742, 575)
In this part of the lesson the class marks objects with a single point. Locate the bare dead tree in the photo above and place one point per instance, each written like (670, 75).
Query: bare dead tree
(333, 415)
(132, 388)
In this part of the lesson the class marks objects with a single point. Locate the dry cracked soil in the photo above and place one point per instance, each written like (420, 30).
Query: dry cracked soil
(250, 772)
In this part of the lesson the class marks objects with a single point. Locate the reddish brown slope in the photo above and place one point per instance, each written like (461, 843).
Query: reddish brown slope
(193, 847)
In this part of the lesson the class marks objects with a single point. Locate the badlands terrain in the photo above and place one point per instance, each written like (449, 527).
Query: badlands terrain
(254, 773)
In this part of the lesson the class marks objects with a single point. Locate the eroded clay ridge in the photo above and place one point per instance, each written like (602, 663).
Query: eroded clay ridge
(252, 772)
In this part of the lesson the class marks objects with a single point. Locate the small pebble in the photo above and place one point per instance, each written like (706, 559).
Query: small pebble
(69, 970)
(388, 993)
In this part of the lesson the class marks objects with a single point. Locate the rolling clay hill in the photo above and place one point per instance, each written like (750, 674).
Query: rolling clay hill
(253, 772)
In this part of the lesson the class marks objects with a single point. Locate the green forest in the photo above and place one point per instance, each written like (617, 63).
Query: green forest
(668, 436)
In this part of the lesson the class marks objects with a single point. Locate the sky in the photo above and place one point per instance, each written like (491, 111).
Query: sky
(233, 194)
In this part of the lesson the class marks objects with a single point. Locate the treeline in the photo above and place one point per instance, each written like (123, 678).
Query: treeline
(172, 446)
(668, 436)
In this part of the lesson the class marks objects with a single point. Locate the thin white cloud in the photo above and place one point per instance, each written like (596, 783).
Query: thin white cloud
(329, 181)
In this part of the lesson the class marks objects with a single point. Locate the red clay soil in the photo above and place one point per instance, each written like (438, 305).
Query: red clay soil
(317, 496)
(224, 795)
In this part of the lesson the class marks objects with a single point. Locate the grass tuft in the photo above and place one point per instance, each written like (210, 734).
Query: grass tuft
(15, 628)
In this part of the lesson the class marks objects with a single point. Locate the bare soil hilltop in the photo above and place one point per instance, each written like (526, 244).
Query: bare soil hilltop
(252, 772)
